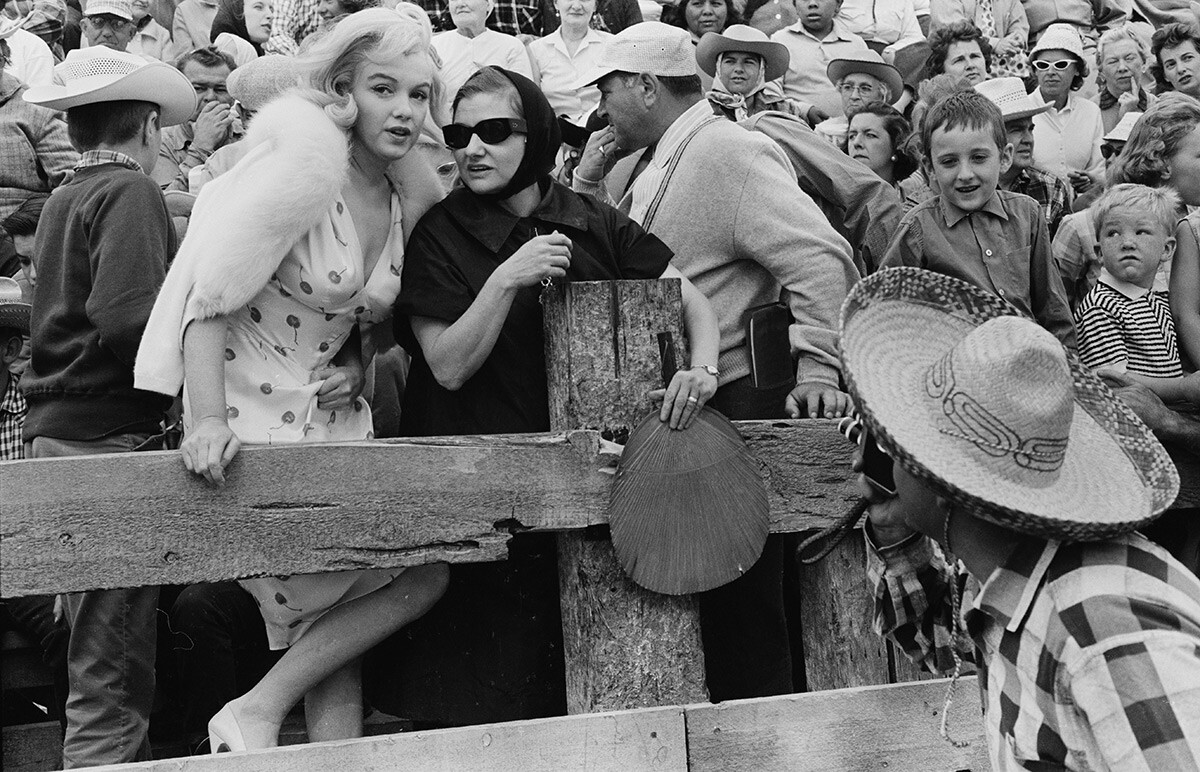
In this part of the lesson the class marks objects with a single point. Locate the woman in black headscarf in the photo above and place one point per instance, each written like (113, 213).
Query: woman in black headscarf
(468, 312)
(476, 261)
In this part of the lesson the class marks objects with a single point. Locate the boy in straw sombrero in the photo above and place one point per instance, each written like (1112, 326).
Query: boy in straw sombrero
(1019, 482)
(104, 240)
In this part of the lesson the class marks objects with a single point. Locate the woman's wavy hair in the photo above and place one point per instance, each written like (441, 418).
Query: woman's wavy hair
(1155, 138)
(942, 38)
(332, 59)
(898, 129)
(1169, 36)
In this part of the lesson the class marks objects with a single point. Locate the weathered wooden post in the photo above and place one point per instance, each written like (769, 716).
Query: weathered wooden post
(624, 646)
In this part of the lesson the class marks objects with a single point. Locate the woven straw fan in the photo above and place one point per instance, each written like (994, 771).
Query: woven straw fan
(688, 510)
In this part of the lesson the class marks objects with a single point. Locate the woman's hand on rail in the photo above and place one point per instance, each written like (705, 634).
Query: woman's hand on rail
(684, 396)
(208, 448)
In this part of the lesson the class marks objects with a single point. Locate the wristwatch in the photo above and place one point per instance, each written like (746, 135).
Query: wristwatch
(714, 372)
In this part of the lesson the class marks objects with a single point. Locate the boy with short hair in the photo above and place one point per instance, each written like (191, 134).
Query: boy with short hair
(1123, 322)
(971, 230)
(102, 251)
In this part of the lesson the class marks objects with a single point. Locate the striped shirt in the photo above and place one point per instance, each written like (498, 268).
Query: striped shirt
(1126, 326)
(1089, 652)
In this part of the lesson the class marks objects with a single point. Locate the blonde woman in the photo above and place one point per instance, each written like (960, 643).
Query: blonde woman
(280, 271)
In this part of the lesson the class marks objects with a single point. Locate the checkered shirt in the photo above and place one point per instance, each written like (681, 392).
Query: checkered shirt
(512, 17)
(12, 419)
(1089, 652)
(101, 157)
(1051, 193)
(293, 20)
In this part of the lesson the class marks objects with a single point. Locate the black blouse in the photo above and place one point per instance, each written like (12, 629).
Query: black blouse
(453, 250)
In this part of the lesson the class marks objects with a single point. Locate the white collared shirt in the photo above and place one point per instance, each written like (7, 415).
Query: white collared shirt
(560, 71)
(647, 184)
(1068, 140)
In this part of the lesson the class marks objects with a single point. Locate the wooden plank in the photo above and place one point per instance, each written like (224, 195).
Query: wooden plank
(70, 524)
(893, 727)
(623, 646)
(628, 741)
(836, 606)
(31, 747)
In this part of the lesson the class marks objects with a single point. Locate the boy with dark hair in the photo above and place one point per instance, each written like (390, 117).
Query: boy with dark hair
(973, 231)
(103, 247)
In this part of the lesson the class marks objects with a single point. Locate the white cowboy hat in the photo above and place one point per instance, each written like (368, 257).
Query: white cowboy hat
(13, 312)
(991, 409)
(100, 74)
(872, 64)
(739, 37)
(1009, 95)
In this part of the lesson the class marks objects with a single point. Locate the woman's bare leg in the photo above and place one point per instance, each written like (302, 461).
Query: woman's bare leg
(335, 640)
(333, 709)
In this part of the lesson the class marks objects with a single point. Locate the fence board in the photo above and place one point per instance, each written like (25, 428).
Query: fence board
(653, 739)
(893, 727)
(72, 524)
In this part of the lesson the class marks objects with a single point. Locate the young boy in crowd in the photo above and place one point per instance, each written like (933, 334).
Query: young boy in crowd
(102, 251)
(971, 230)
(1123, 322)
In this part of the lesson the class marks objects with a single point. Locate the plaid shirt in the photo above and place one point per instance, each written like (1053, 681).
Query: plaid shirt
(293, 20)
(12, 418)
(512, 17)
(1051, 193)
(101, 157)
(1089, 652)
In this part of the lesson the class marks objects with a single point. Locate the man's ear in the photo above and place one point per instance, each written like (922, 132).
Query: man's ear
(11, 350)
(650, 88)
(1006, 158)
(150, 126)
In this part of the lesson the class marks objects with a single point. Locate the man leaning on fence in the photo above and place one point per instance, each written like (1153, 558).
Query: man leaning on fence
(1019, 480)
(103, 246)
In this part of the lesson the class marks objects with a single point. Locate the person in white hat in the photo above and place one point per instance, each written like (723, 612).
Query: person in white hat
(104, 240)
(725, 200)
(25, 54)
(1067, 136)
(108, 23)
(741, 61)
(1052, 193)
(1002, 530)
(861, 78)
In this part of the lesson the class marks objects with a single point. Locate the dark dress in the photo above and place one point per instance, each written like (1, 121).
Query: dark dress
(491, 649)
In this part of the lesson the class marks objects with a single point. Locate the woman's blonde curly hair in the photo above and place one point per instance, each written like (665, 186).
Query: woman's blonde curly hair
(1155, 138)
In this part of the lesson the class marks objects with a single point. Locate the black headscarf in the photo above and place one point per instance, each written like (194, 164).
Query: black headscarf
(542, 138)
(230, 19)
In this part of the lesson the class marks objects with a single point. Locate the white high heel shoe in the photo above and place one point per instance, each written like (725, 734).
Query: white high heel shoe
(224, 732)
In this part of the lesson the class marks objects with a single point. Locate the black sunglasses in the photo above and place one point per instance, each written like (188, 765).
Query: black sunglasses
(492, 131)
(1109, 150)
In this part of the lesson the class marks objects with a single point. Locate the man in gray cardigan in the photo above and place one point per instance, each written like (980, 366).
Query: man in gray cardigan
(727, 203)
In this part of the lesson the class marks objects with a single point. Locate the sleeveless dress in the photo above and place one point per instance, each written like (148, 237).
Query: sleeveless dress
(293, 327)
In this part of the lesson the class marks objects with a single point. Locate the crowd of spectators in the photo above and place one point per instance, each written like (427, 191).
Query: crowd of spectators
(180, 265)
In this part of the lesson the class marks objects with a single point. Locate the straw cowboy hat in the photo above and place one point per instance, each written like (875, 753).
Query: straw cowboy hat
(1062, 37)
(1009, 95)
(13, 312)
(739, 37)
(100, 74)
(870, 63)
(989, 407)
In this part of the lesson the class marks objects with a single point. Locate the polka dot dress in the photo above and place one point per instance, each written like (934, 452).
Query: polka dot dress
(291, 329)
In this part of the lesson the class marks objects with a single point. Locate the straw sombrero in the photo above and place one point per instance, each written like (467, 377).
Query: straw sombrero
(99, 74)
(989, 407)
(13, 312)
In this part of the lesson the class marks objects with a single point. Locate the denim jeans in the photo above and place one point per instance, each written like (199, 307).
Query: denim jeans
(110, 656)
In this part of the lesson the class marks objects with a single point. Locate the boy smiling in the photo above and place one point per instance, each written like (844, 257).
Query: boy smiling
(973, 231)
